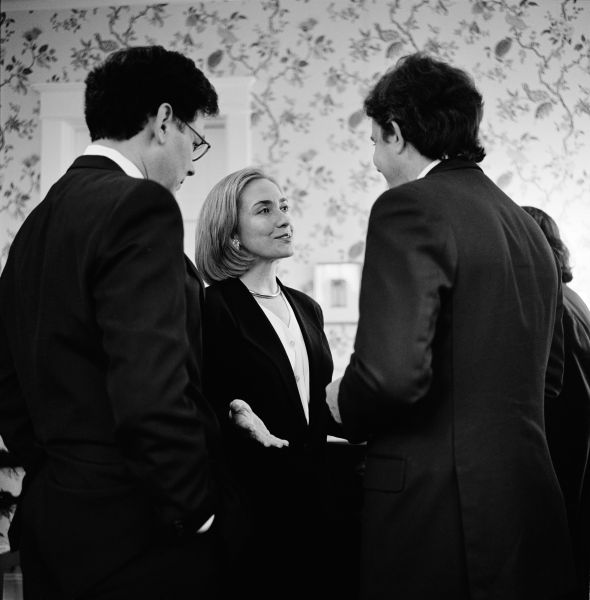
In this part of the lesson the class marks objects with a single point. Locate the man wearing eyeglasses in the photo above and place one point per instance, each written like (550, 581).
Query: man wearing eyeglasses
(100, 354)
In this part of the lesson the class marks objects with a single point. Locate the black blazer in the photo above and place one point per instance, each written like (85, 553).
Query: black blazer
(457, 312)
(100, 391)
(244, 358)
(283, 489)
(567, 421)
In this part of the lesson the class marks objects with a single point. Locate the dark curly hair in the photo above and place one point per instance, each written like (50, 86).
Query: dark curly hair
(549, 228)
(131, 84)
(436, 106)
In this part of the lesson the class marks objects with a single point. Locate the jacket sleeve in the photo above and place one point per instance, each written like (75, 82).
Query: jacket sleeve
(332, 427)
(139, 293)
(220, 330)
(409, 264)
(326, 351)
(16, 428)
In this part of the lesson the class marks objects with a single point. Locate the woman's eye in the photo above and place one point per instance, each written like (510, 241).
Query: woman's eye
(285, 208)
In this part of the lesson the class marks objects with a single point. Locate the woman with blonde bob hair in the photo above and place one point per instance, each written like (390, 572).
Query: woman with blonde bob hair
(266, 364)
(216, 257)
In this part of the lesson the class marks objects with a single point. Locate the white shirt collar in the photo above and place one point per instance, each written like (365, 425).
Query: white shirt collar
(427, 168)
(115, 156)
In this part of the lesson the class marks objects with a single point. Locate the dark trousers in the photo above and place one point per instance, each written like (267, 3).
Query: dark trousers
(187, 569)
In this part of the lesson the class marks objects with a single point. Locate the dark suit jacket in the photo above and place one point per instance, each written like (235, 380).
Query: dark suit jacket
(567, 420)
(99, 380)
(244, 358)
(446, 382)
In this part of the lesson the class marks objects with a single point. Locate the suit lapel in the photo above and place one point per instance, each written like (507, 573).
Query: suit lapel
(95, 161)
(452, 164)
(312, 337)
(192, 273)
(258, 331)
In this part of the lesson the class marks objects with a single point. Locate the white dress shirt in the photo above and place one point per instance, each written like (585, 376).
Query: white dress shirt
(428, 168)
(292, 340)
(130, 168)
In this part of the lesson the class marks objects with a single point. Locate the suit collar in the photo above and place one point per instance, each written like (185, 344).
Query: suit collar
(91, 161)
(428, 168)
(117, 157)
(452, 164)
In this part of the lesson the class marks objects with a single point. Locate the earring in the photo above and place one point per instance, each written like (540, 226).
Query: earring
(236, 243)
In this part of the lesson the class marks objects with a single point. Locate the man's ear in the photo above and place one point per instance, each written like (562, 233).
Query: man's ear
(163, 121)
(396, 137)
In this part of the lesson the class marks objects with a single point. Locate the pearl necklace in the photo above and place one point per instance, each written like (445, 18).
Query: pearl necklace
(259, 295)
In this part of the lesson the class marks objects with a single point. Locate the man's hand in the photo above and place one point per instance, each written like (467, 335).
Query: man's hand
(243, 417)
(332, 390)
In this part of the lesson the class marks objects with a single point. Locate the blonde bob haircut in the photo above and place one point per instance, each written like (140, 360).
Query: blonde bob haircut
(215, 255)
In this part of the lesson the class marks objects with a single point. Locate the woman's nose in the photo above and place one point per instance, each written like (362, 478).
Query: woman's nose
(284, 220)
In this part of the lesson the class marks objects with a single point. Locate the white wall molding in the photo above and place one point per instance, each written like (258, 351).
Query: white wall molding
(61, 115)
(62, 122)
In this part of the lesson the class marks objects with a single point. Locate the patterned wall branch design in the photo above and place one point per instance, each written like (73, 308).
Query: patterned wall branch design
(549, 60)
(15, 198)
(557, 59)
(122, 34)
(72, 22)
(16, 70)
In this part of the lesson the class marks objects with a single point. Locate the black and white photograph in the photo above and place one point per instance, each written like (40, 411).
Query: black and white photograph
(294, 299)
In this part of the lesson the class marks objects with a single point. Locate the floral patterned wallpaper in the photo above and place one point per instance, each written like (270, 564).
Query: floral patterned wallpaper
(313, 62)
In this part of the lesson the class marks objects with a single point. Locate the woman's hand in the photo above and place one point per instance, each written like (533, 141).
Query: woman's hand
(243, 417)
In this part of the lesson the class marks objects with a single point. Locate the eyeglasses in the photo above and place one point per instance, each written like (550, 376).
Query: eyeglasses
(200, 146)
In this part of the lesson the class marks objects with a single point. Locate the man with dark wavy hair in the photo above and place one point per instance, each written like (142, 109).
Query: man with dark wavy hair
(458, 305)
(100, 352)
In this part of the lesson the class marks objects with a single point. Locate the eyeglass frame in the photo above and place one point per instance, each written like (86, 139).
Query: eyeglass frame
(196, 145)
